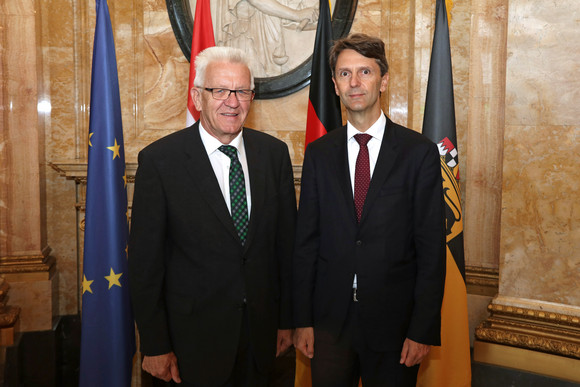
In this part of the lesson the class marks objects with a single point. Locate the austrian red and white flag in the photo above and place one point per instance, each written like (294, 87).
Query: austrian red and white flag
(202, 39)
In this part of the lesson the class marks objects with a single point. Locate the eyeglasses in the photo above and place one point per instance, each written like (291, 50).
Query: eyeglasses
(223, 94)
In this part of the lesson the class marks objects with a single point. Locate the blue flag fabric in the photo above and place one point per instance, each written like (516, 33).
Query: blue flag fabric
(108, 331)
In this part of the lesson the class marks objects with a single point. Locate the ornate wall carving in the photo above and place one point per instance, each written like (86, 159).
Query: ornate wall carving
(532, 328)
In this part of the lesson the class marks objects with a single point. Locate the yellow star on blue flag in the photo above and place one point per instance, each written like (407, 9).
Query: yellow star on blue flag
(87, 285)
(115, 148)
(113, 279)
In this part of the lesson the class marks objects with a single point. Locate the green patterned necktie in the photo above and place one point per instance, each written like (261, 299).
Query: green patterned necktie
(239, 206)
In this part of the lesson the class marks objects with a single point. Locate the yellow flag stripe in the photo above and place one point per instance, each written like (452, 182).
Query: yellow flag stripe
(450, 364)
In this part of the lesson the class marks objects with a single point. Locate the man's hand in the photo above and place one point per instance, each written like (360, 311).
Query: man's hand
(304, 341)
(284, 341)
(413, 352)
(163, 367)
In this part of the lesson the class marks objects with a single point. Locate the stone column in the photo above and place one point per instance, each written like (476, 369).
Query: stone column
(24, 254)
(483, 161)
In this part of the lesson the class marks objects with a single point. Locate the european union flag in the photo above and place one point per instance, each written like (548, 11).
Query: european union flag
(108, 331)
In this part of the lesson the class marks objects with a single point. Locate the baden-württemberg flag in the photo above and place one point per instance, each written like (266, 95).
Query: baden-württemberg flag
(450, 364)
(108, 333)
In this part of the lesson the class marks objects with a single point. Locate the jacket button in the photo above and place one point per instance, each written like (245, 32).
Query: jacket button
(359, 243)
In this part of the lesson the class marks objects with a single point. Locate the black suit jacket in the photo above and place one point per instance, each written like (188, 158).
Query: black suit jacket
(397, 250)
(189, 274)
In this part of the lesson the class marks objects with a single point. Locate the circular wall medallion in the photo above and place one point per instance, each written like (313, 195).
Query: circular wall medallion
(267, 87)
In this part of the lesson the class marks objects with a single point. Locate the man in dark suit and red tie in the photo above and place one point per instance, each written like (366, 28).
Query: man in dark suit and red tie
(369, 262)
(212, 233)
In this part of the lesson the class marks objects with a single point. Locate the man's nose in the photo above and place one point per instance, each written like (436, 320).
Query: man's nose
(354, 80)
(232, 99)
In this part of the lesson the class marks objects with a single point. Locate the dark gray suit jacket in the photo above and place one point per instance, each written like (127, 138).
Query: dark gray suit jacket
(397, 250)
(189, 274)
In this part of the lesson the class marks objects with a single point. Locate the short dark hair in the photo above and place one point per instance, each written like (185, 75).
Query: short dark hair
(365, 45)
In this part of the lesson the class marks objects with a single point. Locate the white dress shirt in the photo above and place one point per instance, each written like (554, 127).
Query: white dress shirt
(377, 131)
(220, 163)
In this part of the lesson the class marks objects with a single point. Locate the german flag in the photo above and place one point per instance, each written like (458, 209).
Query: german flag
(450, 364)
(323, 103)
(323, 116)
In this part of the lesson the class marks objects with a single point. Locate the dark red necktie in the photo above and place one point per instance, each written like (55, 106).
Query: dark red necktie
(362, 173)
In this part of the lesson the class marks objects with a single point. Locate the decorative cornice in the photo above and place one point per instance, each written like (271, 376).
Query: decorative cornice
(516, 312)
(10, 259)
(535, 329)
(27, 264)
(482, 280)
(482, 275)
(77, 170)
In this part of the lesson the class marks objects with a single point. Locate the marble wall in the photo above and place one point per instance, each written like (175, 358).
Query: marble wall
(25, 261)
(540, 219)
(515, 65)
(538, 306)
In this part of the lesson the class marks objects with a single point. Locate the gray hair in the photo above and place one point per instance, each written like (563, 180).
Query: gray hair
(219, 54)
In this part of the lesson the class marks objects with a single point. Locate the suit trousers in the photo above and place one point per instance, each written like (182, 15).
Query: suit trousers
(245, 372)
(341, 361)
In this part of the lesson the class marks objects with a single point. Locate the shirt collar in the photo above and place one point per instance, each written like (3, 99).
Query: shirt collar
(377, 130)
(212, 144)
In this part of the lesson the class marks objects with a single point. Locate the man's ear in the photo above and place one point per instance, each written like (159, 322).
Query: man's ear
(384, 82)
(196, 98)
(335, 88)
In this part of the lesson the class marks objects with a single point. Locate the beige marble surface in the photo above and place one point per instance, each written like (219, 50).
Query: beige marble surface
(38, 301)
(482, 176)
(21, 131)
(64, 85)
(540, 235)
(22, 180)
(540, 220)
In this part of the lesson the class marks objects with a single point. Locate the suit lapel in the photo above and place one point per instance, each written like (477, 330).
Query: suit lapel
(256, 162)
(385, 162)
(340, 162)
(200, 170)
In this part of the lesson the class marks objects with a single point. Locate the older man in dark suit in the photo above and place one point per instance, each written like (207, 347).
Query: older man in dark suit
(211, 239)
(369, 263)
